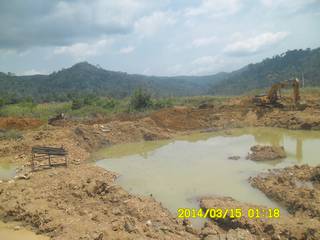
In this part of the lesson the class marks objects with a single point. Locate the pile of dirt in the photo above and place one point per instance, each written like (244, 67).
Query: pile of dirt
(84, 203)
(19, 123)
(298, 188)
(261, 153)
(262, 227)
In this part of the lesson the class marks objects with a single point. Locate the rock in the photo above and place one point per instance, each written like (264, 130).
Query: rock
(261, 153)
(192, 230)
(205, 106)
(17, 228)
(234, 157)
(213, 237)
(129, 227)
(25, 176)
(97, 236)
(305, 126)
(149, 223)
(240, 234)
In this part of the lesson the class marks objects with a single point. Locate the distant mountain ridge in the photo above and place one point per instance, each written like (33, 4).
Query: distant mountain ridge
(291, 64)
(84, 78)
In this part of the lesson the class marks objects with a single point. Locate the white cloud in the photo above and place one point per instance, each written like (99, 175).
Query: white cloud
(127, 50)
(255, 44)
(214, 8)
(32, 72)
(205, 41)
(292, 5)
(102, 13)
(176, 69)
(149, 25)
(206, 65)
(83, 50)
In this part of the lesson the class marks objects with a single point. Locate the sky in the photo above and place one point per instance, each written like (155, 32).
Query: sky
(152, 37)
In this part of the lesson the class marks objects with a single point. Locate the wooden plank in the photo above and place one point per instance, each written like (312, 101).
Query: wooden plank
(49, 150)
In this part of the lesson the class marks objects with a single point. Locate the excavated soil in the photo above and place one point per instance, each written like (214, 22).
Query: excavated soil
(19, 123)
(262, 153)
(298, 188)
(83, 202)
(263, 227)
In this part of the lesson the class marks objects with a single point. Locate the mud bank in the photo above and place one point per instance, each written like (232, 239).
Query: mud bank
(82, 201)
(259, 223)
(298, 188)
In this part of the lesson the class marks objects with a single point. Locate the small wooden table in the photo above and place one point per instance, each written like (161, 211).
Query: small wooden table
(48, 153)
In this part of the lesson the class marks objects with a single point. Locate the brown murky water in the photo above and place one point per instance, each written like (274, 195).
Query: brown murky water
(177, 172)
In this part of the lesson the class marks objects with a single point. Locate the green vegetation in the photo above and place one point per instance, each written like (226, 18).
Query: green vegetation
(10, 134)
(83, 79)
(92, 106)
(85, 90)
(289, 65)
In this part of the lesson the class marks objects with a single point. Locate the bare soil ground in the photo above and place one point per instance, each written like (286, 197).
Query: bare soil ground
(83, 202)
(284, 227)
(298, 188)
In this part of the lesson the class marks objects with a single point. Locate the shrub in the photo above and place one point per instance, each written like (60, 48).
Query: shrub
(77, 104)
(140, 100)
(10, 134)
(162, 103)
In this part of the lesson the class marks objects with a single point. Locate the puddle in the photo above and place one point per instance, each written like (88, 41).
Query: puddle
(7, 170)
(177, 172)
(8, 232)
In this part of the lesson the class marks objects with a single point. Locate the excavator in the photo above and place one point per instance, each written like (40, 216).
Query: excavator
(271, 99)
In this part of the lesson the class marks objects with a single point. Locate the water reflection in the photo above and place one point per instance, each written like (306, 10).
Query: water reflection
(197, 165)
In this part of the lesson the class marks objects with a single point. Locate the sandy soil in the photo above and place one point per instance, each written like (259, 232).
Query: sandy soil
(82, 201)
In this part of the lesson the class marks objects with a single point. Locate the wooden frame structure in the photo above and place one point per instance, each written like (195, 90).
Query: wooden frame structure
(48, 153)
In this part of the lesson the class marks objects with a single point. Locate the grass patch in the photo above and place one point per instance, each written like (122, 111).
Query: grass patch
(10, 135)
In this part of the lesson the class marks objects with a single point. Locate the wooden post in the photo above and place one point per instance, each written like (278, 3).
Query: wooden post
(32, 164)
(49, 160)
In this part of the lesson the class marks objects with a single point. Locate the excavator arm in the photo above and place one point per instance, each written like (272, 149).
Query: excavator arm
(274, 93)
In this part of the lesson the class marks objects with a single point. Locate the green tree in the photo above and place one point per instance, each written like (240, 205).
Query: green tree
(77, 103)
(140, 100)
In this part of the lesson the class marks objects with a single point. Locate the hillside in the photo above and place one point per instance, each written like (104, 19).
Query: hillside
(84, 78)
(278, 68)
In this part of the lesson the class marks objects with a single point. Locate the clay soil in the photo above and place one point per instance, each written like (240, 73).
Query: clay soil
(83, 201)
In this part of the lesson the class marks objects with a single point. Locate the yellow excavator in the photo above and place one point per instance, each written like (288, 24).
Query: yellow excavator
(271, 99)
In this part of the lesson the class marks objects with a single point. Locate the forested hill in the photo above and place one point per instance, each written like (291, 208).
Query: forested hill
(278, 68)
(84, 78)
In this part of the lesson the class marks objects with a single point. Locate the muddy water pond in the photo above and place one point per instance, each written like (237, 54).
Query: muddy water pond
(177, 172)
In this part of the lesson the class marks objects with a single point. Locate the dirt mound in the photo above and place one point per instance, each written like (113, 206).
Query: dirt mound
(261, 153)
(84, 203)
(297, 187)
(19, 123)
(284, 227)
